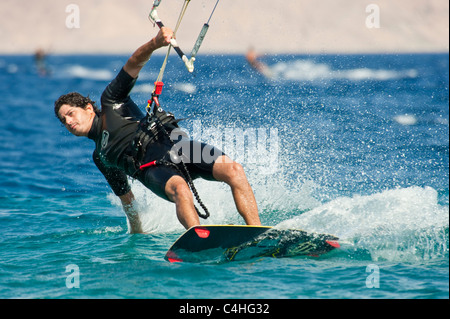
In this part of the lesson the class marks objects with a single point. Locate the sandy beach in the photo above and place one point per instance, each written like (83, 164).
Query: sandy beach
(290, 26)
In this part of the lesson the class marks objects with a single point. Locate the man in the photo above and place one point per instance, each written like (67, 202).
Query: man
(125, 142)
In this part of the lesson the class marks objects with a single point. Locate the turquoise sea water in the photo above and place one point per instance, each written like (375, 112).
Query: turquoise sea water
(356, 146)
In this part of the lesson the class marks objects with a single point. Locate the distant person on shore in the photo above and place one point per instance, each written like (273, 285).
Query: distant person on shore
(253, 59)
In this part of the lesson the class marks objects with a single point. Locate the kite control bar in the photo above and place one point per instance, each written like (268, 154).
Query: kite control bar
(189, 63)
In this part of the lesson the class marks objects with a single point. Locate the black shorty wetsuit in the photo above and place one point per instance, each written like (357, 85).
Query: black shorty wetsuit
(114, 132)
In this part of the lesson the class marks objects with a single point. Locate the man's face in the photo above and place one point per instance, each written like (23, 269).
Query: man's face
(77, 120)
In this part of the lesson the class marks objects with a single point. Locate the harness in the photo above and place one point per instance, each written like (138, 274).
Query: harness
(157, 124)
(151, 128)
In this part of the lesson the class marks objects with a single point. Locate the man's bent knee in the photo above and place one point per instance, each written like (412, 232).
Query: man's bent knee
(229, 171)
(177, 189)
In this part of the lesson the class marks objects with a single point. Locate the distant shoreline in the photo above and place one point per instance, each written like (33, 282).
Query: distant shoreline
(333, 27)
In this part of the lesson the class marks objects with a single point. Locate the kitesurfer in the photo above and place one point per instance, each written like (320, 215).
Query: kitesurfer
(125, 141)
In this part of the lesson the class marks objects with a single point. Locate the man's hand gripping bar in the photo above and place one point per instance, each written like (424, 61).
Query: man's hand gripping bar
(189, 63)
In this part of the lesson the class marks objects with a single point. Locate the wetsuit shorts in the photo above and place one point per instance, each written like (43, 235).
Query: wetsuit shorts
(198, 158)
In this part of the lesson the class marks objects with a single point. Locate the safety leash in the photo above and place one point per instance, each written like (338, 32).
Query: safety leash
(183, 171)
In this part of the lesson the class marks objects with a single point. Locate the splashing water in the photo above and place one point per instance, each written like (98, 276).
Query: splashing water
(396, 225)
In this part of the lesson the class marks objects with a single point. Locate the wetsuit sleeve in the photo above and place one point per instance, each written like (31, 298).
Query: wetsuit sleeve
(119, 89)
(116, 96)
(116, 178)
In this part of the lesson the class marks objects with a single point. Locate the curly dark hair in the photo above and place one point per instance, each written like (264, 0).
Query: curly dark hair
(76, 100)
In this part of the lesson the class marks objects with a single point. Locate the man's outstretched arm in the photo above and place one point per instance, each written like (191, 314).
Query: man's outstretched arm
(140, 57)
(128, 203)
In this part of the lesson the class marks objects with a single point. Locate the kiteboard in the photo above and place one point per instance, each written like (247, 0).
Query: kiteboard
(220, 243)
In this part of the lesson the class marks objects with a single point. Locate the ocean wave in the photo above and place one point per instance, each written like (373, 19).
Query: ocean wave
(307, 70)
(82, 72)
(406, 119)
(406, 224)
(184, 87)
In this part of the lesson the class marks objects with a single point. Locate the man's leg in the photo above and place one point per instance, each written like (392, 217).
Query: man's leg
(179, 192)
(233, 174)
